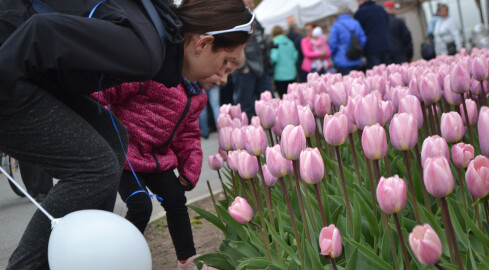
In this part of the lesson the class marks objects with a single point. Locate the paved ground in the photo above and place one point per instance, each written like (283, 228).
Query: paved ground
(15, 212)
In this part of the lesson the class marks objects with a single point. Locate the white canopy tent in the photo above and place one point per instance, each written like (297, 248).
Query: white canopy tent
(275, 12)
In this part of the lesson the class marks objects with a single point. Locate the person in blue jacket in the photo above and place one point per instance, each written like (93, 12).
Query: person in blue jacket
(284, 59)
(340, 38)
(375, 22)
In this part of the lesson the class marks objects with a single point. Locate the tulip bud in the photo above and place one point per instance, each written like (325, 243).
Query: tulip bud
(430, 89)
(367, 111)
(215, 162)
(479, 68)
(288, 114)
(223, 154)
(395, 79)
(268, 116)
(255, 140)
(224, 109)
(452, 127)
(307, 120)
(477, 177)
(330, 242)
(351, 126)
(225, 138)
(277, 131)
(292, 142)
(483, 130)
(438, 178)
(224, 120)
(413, 88)
(335, 129)
(387, 108)
(322, 104)
(451, 97)
(338, 94)
(391, 194)
(311, 166)
(374, 142)
(258, 106)
(403, 131)
(266, 96)
(233, 160)
(475, 88)
(247, 165)
(462, 154)
(235, 111)
(241, 210)
(425, 244)
(269, 179)
(255, 121)
(410, 104)
(459, 78)
(471, 111)
(244, 119)
(434, 146)
(276, 163)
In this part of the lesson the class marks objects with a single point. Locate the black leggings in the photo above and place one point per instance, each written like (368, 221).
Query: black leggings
(72, 140)
(166, 185)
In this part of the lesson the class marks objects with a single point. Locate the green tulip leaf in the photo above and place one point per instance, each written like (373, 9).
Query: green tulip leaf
(282, 244)
(254, 263)
(209, 217)
(370, 255)
(216, 260)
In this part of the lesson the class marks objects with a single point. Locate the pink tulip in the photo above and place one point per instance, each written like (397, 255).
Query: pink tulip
(403, 131)
(425, 244)
(351, 105)
(311, 166)
(391, 194)
(483, 130)
(471, 111)
(223, 154)
(351, 126)
(255, 140)
(322, 104)
(438, 178)
(287, 114)
(398, 93)
(233, 160)
(374, 142)
(224, 109)
(241, 210)
(330, 242)
(387, 108)
(459, 78)
(276, 163)
(247, 165)
(225, 138)
(367, 112)
(475, 87)
(479, 68)
(307, 120)
(335, 129)
(258, 106)
(224, 120)
(395, 79)
(462, 154)
(268, 116)
(379, 83)
(413, 88)
(434, 146)
(215, 162)
(238, 138)
(266, 96)
(477, 177)
(358, 89)
(255, 121)
(338, 94)
(235, 111)
(277, 131)
(430, 89)
(269, 179)
(244, 119)
(410, 104)
(452, 127)
(292, 142)
(451, 97)
(237, 123)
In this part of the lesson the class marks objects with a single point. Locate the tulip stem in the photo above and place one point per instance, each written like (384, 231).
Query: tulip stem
(355, 160)
(318, 139)
(244, 193)
(309, 142)
(479, 222)
(370, 179)
(270, 137)
(267, 195)
(301, 200)
(333, 264)
(223, 186)
(420, 171)
(439, 267)
(449, 230)
(292, 219)
(403, 245)
(411, 187)
(235, 187)
(345, 193)
(212, 197)
(482, 99)
(432, 121)
(320, 203)
(467, 122)
(264, 232)
(425, 121)
(486, 209)
(437, 119)
(387, 165)
(462, 189)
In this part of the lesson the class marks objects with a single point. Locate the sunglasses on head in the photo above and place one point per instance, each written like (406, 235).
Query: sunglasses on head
(247, 27)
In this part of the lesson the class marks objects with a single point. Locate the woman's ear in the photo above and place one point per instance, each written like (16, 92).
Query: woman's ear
(203, 42)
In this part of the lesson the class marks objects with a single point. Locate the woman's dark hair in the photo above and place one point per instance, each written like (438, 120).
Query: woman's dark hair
(277, 30)
(201, 16)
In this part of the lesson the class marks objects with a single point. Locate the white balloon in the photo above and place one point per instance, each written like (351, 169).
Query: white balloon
(95, 239)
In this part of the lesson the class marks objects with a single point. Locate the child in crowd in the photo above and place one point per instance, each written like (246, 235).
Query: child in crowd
(163, 135)
(320, 45)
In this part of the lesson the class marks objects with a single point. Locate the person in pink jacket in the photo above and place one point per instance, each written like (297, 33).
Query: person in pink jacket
(164, 135)
(316, 50)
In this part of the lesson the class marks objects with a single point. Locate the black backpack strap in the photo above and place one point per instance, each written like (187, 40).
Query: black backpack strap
(160, 29)
(348, 29)
(41, 7)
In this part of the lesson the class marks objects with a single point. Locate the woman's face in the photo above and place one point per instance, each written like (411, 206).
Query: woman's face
(443, 12)
(201, 62)
(309, 29)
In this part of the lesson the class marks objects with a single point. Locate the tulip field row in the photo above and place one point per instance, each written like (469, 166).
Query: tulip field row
(386, 169)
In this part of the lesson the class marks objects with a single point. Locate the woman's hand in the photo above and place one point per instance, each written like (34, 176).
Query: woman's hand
(186, 185)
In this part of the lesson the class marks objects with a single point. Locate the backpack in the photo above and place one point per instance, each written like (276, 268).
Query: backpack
(355, 49)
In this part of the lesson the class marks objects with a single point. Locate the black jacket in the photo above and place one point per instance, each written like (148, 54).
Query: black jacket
(400, 37)
(67, 51)
(375, 22)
